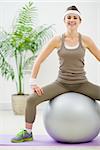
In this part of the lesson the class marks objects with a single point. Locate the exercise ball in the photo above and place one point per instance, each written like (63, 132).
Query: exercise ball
(72, 118)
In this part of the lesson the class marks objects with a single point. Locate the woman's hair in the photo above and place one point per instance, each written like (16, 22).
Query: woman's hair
(73, 8)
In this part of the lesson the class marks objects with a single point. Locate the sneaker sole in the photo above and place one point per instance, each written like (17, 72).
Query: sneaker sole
(23, 140)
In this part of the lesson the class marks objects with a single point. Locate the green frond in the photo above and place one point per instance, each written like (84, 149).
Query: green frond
(41, 35)
(5, 47)
(27, 17)
(22, 44)
(29, 61)
(5, 68)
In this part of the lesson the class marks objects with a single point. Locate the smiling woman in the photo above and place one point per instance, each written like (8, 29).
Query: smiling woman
(74, 11)
(72, 20)
(71, 76)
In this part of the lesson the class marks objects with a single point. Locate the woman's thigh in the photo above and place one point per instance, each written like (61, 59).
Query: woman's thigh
(50, 91)
(89, 89)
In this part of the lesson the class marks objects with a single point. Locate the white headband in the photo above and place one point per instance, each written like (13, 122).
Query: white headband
(72, 12)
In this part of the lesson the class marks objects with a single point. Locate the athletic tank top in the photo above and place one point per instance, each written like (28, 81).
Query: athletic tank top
(71, 64)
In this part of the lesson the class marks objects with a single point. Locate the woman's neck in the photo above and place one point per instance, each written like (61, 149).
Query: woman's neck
(72, 34)
(71, 38)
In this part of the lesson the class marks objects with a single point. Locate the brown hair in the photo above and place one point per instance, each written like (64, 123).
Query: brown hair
(73, 8)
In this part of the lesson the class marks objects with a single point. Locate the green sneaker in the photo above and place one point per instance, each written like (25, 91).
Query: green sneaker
(22, 136)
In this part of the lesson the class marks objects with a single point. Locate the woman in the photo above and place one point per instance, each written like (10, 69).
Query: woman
(71, 50)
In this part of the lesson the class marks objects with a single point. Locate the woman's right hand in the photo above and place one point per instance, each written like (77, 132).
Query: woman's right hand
(37, 89)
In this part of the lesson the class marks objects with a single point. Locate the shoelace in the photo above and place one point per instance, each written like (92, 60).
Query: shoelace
(21, 133)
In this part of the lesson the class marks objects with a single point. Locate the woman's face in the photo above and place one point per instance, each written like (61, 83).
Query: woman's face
(72, 21)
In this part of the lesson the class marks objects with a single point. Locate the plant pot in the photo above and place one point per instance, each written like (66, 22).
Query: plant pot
(19, 103)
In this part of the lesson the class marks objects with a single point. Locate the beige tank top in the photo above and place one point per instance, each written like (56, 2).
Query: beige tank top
(71, 67)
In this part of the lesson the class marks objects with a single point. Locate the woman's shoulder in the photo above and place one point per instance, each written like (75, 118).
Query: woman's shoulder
(85, 37)
(85, 40)
(57, 39)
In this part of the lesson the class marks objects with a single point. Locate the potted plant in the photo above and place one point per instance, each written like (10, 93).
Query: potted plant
(19, 48)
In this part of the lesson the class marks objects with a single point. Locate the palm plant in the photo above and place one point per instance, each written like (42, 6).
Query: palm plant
(19, 47)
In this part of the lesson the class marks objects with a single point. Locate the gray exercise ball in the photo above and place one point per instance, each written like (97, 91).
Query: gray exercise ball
(72, 118)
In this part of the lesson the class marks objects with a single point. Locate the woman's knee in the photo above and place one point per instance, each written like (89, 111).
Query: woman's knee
(31, 100)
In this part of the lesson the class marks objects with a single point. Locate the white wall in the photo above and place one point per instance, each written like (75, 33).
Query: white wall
(51, 12)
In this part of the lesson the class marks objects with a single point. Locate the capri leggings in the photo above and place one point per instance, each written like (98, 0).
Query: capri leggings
(56, 88)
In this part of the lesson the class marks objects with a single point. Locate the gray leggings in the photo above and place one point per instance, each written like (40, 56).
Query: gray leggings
(56, 88)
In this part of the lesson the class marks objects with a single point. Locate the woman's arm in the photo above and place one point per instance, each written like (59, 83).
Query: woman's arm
(90, 45)
(53, 43)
